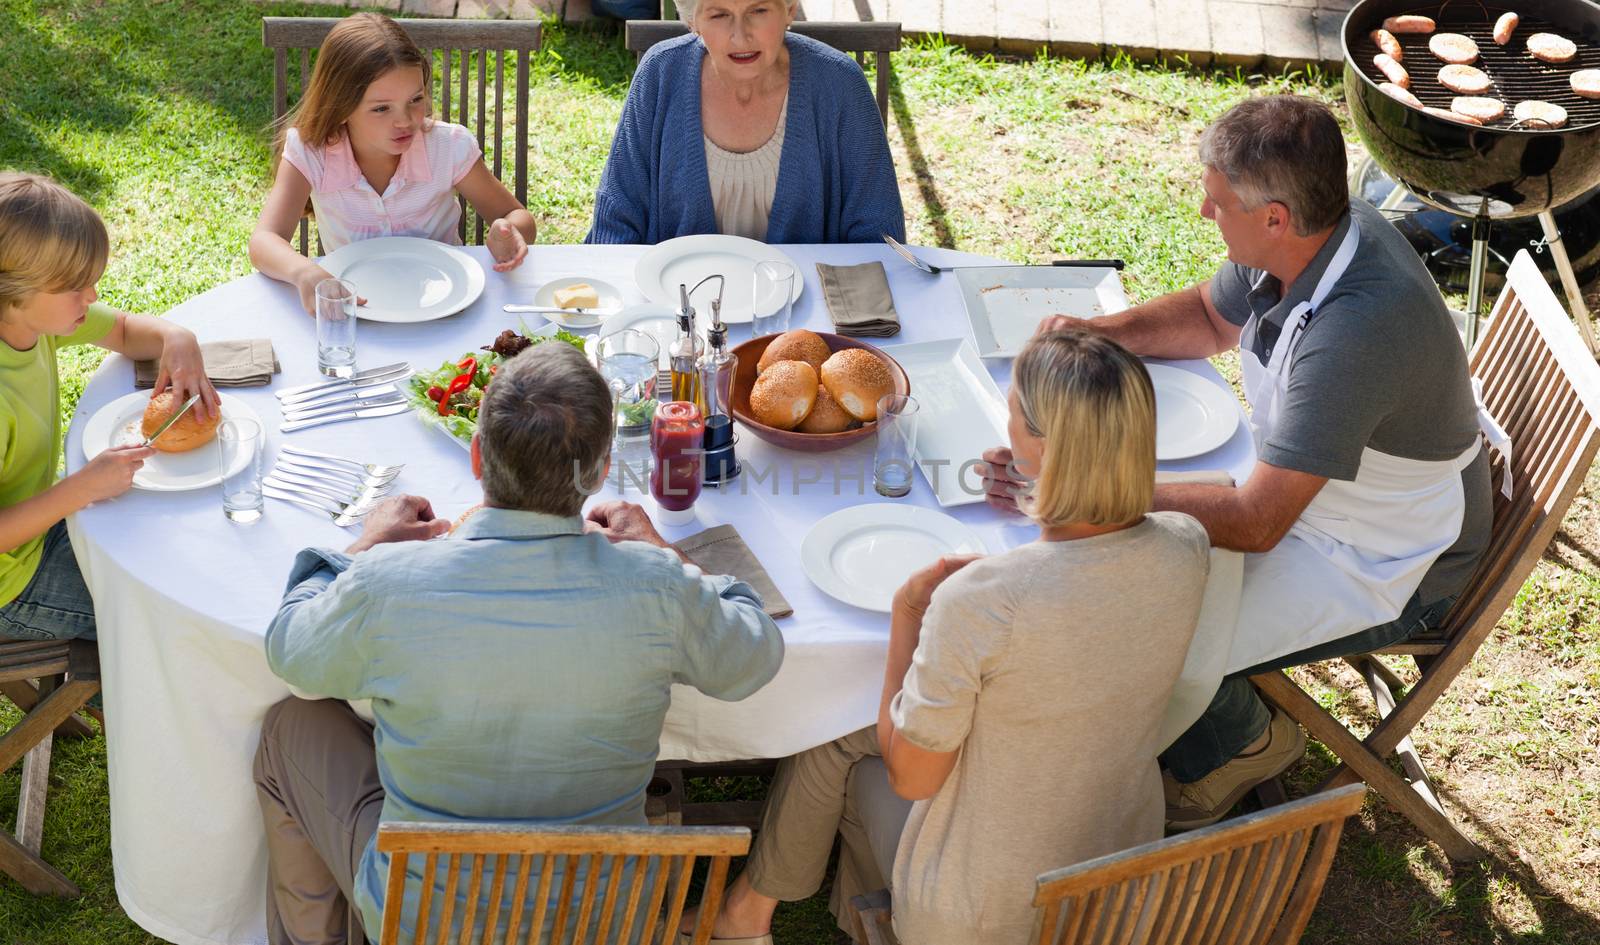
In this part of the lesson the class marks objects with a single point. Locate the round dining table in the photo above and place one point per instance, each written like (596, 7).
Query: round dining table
(184, 596)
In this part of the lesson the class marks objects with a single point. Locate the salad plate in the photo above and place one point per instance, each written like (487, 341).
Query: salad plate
(407, 279)
(862, 555)
(1193, 415)
(450, 396)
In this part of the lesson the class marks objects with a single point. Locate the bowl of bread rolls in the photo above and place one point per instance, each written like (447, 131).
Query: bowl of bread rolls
(812, 391)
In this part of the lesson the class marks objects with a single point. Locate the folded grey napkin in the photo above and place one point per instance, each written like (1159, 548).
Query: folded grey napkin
(246, 362)
(720, 550)
(859, 301)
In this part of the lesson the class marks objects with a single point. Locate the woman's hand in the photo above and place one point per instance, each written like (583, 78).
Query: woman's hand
(1001, 485)
(110, 474)
(183, 368)
(915, 594)
(506, 245)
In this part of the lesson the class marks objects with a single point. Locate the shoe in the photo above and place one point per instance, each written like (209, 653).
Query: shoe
(1208, 800)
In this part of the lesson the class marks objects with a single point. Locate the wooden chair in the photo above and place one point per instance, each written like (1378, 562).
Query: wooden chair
(1249, 881)
(661, 858)
(858, 39)
(459, 44)
(67, 675)
(1543, 385)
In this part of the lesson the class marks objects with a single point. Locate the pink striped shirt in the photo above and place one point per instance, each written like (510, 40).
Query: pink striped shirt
(420, 198)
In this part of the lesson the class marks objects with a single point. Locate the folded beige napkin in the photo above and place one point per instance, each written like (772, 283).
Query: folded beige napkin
(246, 362)
(720, 550)
(859, 301)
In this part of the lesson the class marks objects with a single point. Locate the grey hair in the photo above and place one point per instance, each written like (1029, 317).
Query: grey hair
(1282, 148)
(545, 431)
(686, 9)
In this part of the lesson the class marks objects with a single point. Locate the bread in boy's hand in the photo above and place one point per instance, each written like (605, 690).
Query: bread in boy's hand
(189, 432)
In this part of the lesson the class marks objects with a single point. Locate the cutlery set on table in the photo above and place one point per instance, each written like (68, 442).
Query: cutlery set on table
(363, 395)
(344, 490)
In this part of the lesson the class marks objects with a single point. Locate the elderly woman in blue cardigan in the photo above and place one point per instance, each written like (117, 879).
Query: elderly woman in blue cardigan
(746, 129)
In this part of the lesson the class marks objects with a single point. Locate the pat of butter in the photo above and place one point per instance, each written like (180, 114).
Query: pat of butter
(581, 295)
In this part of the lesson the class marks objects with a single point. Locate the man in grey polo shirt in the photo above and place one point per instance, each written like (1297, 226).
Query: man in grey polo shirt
(1369, 504)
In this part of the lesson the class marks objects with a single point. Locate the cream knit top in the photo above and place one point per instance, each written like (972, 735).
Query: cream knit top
(743, 185)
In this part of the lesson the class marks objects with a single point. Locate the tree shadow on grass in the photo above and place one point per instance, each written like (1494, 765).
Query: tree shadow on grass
(927, 189)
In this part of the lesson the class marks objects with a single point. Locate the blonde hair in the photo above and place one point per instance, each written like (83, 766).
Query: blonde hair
(1093, 404)
(50, 240)
(358, 51)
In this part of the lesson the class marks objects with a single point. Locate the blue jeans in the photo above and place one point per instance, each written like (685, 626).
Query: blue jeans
(56, 604)
(1237, 716)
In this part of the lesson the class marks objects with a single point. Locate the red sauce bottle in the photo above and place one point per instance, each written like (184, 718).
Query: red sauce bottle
(677, 435)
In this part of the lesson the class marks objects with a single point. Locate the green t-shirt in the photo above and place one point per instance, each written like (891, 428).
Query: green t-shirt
(30, 432)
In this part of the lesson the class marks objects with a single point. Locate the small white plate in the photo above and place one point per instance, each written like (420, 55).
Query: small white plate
(689, 259)
(1193, 415)
(963, 413)
(407, 279)
(1006, 303)
(118, 423)
(610, 301)
(862, 555)
(658, 321)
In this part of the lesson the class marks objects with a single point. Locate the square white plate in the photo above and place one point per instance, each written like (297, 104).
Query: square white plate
(1006, 303)
(963, 413)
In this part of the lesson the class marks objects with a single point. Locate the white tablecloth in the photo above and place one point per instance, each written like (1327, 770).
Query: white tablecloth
(183, 596)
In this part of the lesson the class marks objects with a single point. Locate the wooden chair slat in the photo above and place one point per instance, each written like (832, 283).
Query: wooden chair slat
(394, 892)
(616, 864)
(447, 910)
(1049, 918)
(630, 911)
(652, 912)
(1081, 919)
(711, 901)
(430, 875)
(483, 68)
(1179, 892)
(591, 882)
(519, 899)
(1264, 885)
(569, 878)
(296, 31)
(683, 870)
(1133, 911)
(499, 106)
(491, 917)
(541, 898)
(474, 889)
(1293, 864)
(1312, 877)
(465, 120)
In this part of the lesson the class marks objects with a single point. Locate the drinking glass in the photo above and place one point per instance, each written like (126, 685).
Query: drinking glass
(628, 360)
(239, 452)
(894, 463)
(336, 328)
(773, 297)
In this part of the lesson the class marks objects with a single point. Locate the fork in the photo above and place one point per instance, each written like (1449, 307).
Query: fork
(371, 469)
(341, 518)
(341, 475)
(931, 269)
(361, 498)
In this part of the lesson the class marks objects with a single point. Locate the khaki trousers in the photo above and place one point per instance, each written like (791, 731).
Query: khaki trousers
(839, 788)
(317, 781)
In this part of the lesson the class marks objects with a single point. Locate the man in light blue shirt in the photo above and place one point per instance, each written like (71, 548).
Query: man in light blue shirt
(519, 670)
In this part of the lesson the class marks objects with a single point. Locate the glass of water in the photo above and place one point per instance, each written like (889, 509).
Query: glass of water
(239, 451)
(336, 328)
(629, 361)
(773, 297)
(894, 463)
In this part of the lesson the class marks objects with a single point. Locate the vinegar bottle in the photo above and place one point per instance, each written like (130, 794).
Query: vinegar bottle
(684, 355)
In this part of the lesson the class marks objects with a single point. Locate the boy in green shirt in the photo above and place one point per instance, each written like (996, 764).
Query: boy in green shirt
(53, 248)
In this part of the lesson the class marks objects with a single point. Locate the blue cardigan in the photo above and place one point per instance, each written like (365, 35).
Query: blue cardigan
(836, 181)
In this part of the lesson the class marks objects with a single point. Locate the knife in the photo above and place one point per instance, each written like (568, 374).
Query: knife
(384, 411)
(914, 260)
(328, 398)
(550, 310)
(355, 379)
(171, 420)
(344, 388)
(324, 410)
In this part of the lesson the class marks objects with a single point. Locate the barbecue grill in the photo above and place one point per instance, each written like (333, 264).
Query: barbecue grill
(1502, 170)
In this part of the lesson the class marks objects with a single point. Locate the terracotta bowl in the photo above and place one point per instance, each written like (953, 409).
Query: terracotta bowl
(745, 377)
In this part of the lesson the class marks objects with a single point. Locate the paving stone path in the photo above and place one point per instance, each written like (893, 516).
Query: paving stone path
(1250, 34)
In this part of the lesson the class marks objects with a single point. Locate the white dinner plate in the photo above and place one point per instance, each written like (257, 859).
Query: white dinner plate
(1193, 415)
(610, 301)
(862, 555)
(1006, 303)
(118, 423)
(688, 259)
(658, 321)
(963, 413)
(407, 279)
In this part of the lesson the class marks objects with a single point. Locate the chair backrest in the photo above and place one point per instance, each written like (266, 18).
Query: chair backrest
(653, 863)
(1249, 881)
(459, 45)
(858, 39)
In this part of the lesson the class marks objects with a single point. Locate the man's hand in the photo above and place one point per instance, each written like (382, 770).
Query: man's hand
(1058, 322)
(1001, 485)
(399, 518)
(623, 521)
(916, 593)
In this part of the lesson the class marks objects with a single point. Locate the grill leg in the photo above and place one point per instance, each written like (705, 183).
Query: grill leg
(1480, 264)
(1569, 279)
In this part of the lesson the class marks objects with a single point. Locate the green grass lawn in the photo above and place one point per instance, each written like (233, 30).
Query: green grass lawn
(155, 111)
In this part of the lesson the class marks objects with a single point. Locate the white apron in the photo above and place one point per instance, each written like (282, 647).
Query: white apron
(1360, 549)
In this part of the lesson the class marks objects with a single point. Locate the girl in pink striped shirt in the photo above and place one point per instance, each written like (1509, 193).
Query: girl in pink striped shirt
(360, 150)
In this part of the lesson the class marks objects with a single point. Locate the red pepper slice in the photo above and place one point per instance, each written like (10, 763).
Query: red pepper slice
(458, 385)
(468, 364)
